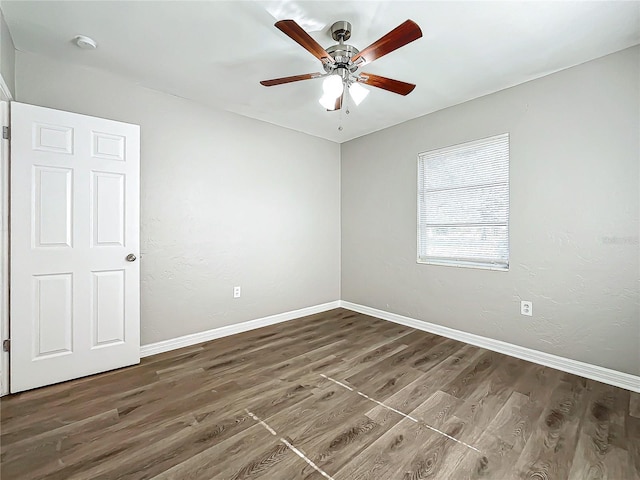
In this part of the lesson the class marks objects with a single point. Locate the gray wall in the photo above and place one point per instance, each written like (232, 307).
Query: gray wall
(225, 200)
(7, 56)
(574, 176)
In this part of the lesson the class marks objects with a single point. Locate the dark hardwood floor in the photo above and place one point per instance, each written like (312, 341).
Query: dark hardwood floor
(337, 395)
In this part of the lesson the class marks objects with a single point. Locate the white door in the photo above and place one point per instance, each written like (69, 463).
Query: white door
(75, 298)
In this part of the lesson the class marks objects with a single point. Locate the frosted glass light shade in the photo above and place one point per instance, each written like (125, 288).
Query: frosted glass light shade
(327, 102)
(332, 86)
(358, 93)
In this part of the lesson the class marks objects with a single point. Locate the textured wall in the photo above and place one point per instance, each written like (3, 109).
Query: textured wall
(225, 200)
(574, 177)
(7, 56)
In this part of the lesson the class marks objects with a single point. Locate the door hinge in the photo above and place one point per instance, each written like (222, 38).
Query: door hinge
(6, 345)
(6, 133)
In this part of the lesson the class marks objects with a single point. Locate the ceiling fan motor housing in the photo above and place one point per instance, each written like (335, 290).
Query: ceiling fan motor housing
(342, 54)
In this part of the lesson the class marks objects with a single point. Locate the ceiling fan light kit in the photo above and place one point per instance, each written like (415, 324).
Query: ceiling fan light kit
(327, 102)
(358, 93)
(341, 62)
(332, 86)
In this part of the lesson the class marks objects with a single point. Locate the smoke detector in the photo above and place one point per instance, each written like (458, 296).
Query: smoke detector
(84, 42)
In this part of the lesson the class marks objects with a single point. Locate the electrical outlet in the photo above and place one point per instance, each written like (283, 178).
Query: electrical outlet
(236, 292)
(526, 308)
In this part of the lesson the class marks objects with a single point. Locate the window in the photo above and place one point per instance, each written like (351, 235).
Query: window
(463, 204)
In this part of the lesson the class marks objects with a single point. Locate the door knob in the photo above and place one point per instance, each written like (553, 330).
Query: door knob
(130, 258)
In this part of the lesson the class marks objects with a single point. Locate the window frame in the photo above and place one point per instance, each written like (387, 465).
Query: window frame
(464, 262)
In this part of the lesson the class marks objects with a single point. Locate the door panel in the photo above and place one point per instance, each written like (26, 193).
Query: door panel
(52, 138)
(74, 219)
(53, 297)
(108, 209)
(52, 220)
(108, 307)
(108, 146)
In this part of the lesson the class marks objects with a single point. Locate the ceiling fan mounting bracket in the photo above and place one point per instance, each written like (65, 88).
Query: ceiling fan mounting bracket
(341, 31)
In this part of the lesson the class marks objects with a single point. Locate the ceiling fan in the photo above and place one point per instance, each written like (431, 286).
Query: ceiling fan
(341, 62)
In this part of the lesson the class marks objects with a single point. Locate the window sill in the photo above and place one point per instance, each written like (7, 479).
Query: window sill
(460, 264)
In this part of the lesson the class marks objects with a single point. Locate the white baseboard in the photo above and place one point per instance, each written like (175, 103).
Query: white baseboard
(194, 338)
(594, 372)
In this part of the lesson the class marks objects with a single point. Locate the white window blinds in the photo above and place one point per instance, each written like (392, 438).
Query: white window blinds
(463, 204)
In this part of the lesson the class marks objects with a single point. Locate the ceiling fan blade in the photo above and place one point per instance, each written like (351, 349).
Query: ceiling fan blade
(405, 33)
(395, 86)
(296, 33)
(338, 105)
(294, 78)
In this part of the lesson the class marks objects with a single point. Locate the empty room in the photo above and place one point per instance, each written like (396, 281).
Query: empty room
(357, 240)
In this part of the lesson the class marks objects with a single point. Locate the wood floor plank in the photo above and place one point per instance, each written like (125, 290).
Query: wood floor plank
(337, 446)
(600, 453)
(633, 446)
(590, 463)
(490, 395)
(35, 454)
(634, 404)
(407, 450)
(365, 356)
(413, 405)
(375, 346)
(389, 375)
(514, 421)
(495, 461)
(223, 458)
(472, 376)
(420, 390)
(550, 450)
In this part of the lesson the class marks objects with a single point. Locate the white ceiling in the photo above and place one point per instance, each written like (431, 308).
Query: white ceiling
(216, 52)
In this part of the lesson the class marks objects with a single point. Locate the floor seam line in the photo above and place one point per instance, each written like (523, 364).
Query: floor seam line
(420, 422)
(287, 444)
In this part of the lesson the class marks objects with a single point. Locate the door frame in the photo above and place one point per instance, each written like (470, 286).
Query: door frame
(5, 99)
